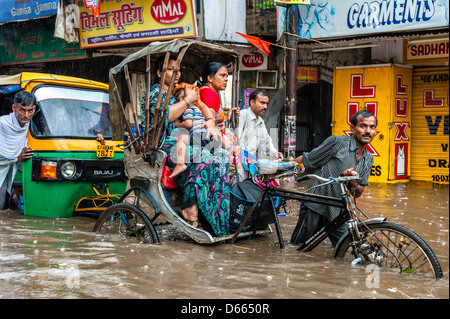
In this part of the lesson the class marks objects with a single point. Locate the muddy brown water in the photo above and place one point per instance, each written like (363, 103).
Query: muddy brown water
(62, 258)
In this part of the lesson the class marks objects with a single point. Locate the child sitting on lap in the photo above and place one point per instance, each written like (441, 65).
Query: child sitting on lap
(192, 120)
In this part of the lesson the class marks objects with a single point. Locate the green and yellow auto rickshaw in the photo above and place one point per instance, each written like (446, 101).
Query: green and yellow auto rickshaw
(77, 166)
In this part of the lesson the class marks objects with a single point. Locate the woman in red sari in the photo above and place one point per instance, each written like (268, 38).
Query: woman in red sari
(215, 79)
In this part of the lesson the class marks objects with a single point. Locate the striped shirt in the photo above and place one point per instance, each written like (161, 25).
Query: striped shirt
(330, 159)
(195, 114)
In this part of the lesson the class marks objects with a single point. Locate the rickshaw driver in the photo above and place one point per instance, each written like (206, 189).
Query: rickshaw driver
(13, 132)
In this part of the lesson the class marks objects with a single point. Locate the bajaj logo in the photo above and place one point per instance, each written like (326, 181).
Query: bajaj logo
(103, 172)
(168, 11)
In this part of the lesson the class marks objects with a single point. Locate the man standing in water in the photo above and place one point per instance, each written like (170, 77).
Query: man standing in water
(335, 156)
(13, 140)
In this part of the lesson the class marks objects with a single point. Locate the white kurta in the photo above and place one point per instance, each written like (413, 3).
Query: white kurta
(253, 135)
(13, 138)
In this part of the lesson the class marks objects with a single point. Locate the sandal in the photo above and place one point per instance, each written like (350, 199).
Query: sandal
(195, 224)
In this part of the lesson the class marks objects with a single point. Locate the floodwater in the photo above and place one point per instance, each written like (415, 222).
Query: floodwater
(62, 258)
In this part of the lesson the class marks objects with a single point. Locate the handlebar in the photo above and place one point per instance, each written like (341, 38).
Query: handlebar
(340, 179)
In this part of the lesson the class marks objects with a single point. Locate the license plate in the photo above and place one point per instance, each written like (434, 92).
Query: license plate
(105, 151)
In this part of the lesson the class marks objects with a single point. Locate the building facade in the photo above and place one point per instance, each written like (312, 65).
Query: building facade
(390, 57)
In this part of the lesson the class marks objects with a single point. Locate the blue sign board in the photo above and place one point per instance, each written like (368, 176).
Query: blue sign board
(20, 10)
(327, 19)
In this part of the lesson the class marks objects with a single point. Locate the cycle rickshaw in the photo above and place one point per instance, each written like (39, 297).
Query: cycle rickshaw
(136, 213)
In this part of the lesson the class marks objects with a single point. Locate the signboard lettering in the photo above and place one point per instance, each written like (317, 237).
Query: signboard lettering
(307, 74)
(366, 88)
(252, 60)
(137, 21)
(168, 12)
(324, 19)
(24, 10)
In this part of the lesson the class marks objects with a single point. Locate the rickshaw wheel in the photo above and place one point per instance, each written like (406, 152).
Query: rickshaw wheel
(127, 221)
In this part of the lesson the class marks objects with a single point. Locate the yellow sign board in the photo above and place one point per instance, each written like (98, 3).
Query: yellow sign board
(430, 115)
(385, 91)
(307, 74)
(426, 50)
(138, 21)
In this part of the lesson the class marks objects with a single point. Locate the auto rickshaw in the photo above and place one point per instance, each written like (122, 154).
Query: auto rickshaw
(77, 166)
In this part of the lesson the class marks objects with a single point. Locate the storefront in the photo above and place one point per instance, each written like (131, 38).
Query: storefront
(430, 132)
(388, 57)
(429, 108)
(385, 91)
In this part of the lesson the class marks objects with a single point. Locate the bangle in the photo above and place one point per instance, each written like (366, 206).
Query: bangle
(188, 104)
(230, 147)
(210, 118)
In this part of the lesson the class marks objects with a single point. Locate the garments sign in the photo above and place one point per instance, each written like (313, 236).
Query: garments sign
(426, 50)
(430, 116)
(385, 91)
(307, 74)
(326, 19)
(21, 10)
(123, 22)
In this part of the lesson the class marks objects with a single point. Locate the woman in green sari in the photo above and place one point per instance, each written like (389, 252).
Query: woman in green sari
(205, 183)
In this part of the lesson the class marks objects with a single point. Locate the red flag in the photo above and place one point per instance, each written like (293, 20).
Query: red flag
(94, 5)
(257, 42)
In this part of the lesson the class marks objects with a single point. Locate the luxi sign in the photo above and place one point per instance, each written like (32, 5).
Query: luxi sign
(385, 90)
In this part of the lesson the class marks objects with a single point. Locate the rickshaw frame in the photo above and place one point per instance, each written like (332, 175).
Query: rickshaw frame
(142, 158)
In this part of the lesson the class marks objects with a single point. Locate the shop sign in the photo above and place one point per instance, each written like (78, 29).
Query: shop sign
(386, 92)
(326, 19)
(21, 10)
(426, 50)
(252, 61)
(138, 21)
(307, 74)
(431, 129)
(37, 44)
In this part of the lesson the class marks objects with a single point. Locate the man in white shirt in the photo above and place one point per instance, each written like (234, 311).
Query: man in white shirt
(13, 140)
(252, 133)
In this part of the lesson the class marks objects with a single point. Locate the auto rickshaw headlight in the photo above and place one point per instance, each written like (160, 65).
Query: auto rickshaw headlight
(68, 170)
(48, 169)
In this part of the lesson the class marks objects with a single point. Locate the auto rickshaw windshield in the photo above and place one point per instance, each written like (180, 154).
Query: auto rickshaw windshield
(71, 113)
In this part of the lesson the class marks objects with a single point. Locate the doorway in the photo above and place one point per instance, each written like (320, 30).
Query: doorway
(314, 115)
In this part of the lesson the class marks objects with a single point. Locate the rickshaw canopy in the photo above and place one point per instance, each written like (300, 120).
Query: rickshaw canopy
(198, 48)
